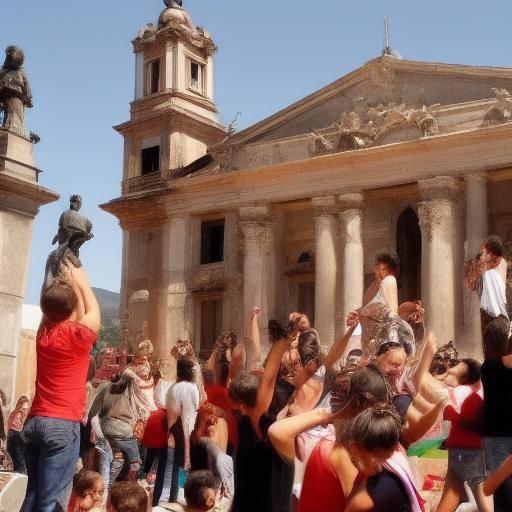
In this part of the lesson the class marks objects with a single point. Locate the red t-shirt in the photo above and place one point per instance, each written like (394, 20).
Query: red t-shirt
(62, 364)
(469, 400)
(219, 396)
(155, 431)
(321, 488)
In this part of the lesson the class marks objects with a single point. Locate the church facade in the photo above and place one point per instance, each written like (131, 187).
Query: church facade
(288, 213)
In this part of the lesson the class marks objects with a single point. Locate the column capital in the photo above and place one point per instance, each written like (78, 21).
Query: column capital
(325, 205)
(439, 187)
(256, 213)
(476, 177)
(351, 201)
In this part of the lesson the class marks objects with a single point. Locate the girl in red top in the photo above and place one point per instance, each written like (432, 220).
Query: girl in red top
(330, 474)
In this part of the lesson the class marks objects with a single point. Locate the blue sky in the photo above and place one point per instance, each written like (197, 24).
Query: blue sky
(80, 66)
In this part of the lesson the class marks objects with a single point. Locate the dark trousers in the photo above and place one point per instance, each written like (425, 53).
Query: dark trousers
(16, 449)
(160, 454)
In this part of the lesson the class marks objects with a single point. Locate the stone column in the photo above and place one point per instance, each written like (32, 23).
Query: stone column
(325, 267)
(168, 66)
(175, 322)
(351, 279)
(259, 271)
(476, 231)
(437, 216)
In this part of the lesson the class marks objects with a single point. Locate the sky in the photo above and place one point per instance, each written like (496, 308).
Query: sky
(80, 65)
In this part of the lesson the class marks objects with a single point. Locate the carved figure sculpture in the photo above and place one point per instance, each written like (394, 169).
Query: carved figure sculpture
(74, 230)
(15, 92)
(503, 112)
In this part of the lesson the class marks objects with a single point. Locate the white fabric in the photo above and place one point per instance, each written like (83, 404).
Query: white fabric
(460, 393)
(494, 297)
(379, 297)
(183, 401)
(161, 392)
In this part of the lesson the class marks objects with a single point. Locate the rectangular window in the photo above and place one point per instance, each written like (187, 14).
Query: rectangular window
(150, 158)
(196, 76)
(153, 77)
(211, 324)
(212, 241)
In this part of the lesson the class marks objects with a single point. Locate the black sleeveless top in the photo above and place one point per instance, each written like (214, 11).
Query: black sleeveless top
(263, 479)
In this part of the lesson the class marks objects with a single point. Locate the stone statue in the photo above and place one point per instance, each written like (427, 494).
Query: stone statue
(15, 92)
(174, 4)
(74, 230)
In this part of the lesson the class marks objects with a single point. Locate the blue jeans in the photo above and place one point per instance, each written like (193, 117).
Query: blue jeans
(52, 450)
(497, 449)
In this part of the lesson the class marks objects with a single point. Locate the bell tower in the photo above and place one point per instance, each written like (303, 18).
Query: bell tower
(173, 118)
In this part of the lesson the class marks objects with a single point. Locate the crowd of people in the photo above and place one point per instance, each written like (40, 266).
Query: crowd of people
(298, 428)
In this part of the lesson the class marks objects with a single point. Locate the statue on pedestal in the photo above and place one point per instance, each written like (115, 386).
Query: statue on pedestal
(74, 230)
(15, 92)
(174, 4)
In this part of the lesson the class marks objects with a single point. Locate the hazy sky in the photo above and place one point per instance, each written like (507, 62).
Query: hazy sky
(80, 66)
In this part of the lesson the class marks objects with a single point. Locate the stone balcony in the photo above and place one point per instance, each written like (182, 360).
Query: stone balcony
(152, 181)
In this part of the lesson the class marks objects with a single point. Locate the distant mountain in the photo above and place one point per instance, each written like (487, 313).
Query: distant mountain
(109, 304)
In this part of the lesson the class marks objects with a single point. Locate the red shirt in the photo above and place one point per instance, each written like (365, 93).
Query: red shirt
(155, 431)
(62, 364)
(219, 396)
(321, 488)
(469, 401)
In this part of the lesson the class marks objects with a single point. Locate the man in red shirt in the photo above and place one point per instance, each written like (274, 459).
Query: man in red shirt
(66, 335)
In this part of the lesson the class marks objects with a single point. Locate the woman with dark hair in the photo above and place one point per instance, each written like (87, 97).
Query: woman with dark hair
(497, 415)
(380, 303)
(371, 439)
(15, 445)
(486, 274)
(182, 404)
(329, 465)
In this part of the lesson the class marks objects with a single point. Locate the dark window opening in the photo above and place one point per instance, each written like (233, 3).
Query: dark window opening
(408, 247)
(194, 75)
(154, 76)
(212, 241)
(150, 160)
(211, 323)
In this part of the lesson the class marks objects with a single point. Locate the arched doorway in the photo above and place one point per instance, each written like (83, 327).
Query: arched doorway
(408, 247)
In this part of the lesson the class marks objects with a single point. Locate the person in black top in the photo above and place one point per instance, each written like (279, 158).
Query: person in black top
(497, 415)
(263, 479)
(370, 437)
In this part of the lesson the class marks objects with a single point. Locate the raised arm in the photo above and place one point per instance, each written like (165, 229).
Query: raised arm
(268, 380)
(282, 433)
(428, 353)
(338, 348)
(252, 339)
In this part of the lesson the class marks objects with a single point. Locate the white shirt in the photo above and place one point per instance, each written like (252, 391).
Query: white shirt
(182, 400)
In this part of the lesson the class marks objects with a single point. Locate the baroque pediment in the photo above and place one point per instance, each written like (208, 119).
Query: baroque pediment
(385, 101)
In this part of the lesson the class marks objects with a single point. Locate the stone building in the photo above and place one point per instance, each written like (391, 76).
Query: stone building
(288, 213)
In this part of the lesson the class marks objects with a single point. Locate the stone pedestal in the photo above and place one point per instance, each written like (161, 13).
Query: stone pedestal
(476, 231)
(325, 267)
(259, 264)
(351, 279)
(437, 215)
(20, 199)
(17, 156)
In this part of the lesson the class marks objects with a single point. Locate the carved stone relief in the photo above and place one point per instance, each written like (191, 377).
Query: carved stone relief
(501, 113)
